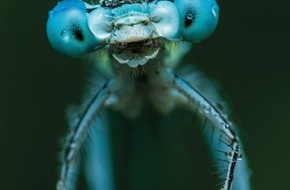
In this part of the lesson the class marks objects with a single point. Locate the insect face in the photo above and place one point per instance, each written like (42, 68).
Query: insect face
(131, 30)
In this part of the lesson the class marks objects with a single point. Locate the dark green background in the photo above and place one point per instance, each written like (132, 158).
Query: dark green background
(248, 54)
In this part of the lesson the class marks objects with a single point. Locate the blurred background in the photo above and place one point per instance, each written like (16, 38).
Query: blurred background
(248, 55)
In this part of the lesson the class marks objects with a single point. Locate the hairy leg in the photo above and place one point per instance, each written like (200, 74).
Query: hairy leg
(225, 143)
(78, 135)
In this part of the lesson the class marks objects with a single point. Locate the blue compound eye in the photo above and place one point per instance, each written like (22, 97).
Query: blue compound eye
(198, 18)
(68, 31)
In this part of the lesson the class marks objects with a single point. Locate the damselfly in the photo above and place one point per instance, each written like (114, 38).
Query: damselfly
(137, 45)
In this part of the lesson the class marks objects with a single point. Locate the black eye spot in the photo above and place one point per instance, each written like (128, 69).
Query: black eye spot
(77, 32)
(190, 16)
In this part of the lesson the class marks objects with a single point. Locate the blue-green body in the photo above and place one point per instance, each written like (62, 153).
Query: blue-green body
(138, 45)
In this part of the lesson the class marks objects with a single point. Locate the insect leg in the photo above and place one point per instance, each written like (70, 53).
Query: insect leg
(219, 146)
(221, 153)
(219, 121)
(98, 159)
(78, 135)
